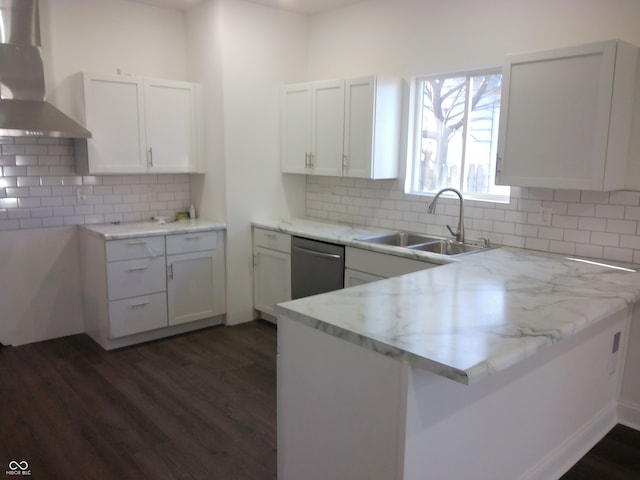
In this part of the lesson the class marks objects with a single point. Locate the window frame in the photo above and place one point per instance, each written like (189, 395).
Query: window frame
(414, 133)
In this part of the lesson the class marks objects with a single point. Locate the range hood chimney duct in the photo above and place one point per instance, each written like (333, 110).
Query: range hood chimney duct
(23, 109)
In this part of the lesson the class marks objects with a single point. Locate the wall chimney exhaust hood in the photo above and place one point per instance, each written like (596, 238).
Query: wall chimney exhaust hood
(23, 110)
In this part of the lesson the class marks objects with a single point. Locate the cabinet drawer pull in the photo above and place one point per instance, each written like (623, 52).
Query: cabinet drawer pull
(270, 235)
(136, 269)
(137, 242)
(139, 304)
(193, 237)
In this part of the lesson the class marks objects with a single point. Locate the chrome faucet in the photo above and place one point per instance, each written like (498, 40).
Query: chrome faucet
(432, 208)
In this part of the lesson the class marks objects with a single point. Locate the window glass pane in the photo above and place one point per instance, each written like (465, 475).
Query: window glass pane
(482, 136)
(457, 135)
(441, 141)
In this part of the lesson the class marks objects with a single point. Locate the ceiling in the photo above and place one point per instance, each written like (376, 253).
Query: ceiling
(300, 6)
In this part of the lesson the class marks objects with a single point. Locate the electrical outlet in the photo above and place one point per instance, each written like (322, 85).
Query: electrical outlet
(545, 215)
(81, 194)
(613, 356)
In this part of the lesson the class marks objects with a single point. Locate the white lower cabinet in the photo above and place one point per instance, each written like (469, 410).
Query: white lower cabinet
(140, 289)
(364, 266)
(271, 271)
(353, 278)
(195, 280)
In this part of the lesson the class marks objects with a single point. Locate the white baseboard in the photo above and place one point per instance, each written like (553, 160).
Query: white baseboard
(559, 461)
(629, 414)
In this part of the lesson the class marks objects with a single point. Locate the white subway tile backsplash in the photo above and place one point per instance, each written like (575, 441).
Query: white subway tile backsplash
(38, 188)
(600, 225)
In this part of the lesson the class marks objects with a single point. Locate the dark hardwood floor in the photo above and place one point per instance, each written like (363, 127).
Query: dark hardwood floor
(615, 457)
(196, 406)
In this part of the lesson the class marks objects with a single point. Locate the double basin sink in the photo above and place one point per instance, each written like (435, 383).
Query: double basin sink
(425, 243)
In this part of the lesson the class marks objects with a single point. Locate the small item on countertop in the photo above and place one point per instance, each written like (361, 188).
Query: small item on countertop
(192, 212)
(182, 216)
(161, 220)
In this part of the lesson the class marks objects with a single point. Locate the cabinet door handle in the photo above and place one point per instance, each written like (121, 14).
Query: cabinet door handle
(138, 242)
(170, 272)
(136, 269)
(498, 160)
(270, 235)
(310, 160)
(139, 304)
(151, 156)
(345, 162)
(306, 159)
(193, 237)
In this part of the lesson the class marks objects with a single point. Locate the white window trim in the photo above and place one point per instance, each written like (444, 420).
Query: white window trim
(414, 123)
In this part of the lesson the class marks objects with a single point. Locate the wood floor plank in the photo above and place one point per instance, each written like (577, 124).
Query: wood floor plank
(196, 406)
(192, 407)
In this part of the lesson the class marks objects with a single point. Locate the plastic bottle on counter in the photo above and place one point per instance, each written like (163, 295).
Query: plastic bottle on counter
(192, 212)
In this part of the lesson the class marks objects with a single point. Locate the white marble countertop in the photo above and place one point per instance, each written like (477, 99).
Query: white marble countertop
(470, 318)
(117, 231)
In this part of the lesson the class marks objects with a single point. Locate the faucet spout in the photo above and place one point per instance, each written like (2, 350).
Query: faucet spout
(459, 234)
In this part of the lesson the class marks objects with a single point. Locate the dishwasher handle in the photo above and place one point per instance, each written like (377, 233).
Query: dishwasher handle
(331, 256)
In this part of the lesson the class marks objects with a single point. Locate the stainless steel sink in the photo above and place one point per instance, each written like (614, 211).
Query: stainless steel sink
(425, 243)
(446, 247)
(399, 239)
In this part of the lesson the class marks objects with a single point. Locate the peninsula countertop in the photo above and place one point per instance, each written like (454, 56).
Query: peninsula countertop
(469, 319)
(119, 231)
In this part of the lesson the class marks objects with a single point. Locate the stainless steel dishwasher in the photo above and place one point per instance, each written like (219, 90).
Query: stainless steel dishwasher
(316, 267)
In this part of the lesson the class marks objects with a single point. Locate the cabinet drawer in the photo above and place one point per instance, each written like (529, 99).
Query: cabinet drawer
(138, 314)
(131, 278)
(272, 240)
(380, 264)
(192, 242)
(134, 248)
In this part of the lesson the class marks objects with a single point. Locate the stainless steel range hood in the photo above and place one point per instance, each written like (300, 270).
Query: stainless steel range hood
(23, 110)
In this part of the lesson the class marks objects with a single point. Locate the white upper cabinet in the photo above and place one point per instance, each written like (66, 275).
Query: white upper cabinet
(114, 113)
(138, 126)
(327, 120)
(296, 128)
(372, 127)
(170, 125)
(566, 117)
(342, 127)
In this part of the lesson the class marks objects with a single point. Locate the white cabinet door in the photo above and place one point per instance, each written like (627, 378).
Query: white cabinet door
(170, 126)
(566, 117)
(296, 128)
(372, 127)
(191, 286)
(327, 127)
(115, 116)
(271, 279)
(353, 278)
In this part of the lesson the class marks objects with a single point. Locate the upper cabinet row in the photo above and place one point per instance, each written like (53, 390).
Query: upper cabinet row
(566, 117)
(138, 125)
(345, 128)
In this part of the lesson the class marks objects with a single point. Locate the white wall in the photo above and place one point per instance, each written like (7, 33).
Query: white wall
(260, 49)
(412, 37)
(102, 36)
(39, 285)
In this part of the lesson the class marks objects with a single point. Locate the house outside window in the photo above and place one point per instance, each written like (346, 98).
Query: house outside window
(455, 135)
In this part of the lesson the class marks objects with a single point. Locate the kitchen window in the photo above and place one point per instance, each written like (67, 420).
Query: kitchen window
(455, 135)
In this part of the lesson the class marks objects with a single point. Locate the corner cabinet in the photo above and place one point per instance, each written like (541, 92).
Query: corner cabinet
(149, 287)
(271, 271)
(138, 125)
(566, 117)
(345, 128)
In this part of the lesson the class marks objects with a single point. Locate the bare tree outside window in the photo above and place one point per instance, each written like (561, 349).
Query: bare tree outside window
(456, 139)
